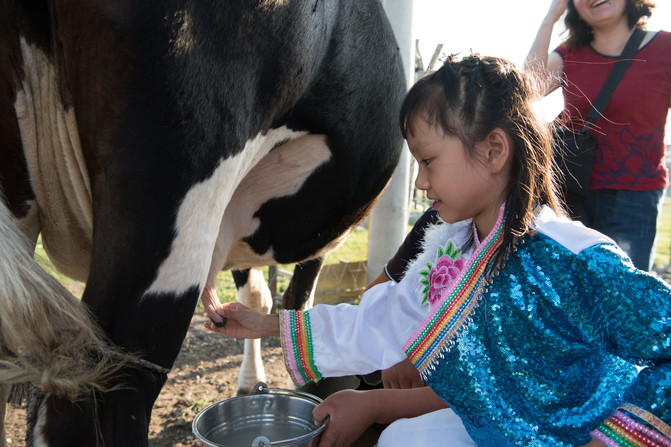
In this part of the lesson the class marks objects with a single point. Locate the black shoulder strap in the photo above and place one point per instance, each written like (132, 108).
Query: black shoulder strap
(615, 75)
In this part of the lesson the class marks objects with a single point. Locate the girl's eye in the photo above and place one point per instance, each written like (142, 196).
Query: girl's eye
(426, 161)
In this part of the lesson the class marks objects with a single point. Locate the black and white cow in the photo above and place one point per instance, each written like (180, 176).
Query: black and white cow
(154, 143)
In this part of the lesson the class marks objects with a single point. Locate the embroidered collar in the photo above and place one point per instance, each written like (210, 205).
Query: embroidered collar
(475, 234)
(455, 304)
(438, 278)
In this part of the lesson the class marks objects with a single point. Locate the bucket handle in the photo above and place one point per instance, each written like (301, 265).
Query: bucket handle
(262, 388)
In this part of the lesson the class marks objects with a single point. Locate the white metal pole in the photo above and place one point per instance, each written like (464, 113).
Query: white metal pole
(388, 220)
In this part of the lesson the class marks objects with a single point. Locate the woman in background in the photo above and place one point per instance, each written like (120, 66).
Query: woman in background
(629, 176)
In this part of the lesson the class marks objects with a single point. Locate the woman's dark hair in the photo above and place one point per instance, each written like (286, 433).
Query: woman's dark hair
(580, 33)
(470, 98)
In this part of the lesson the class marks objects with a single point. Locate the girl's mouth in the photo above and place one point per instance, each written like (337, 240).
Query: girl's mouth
(599, 3)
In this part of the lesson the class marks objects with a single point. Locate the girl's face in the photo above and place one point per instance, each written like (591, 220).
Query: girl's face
(600, 12)
(460, 186)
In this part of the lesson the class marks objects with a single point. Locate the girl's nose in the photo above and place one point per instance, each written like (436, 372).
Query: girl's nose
(421, 183)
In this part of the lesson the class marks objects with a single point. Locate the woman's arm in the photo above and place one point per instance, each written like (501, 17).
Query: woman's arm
(547, 65)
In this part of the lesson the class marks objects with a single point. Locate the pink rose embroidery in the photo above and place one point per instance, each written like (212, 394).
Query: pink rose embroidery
(436, 279)
(442, 275)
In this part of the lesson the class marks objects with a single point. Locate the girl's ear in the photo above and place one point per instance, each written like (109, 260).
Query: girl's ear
(497, 150)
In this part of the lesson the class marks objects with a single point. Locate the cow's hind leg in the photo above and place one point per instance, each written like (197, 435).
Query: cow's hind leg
(300, 293)
(253, 291)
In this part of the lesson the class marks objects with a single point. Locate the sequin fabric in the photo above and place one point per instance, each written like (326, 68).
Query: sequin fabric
(553, 347)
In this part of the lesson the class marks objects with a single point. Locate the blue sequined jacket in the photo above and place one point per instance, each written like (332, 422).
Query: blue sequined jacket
(564, 334)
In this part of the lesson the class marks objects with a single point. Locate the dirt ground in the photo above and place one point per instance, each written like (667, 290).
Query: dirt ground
(206, 371)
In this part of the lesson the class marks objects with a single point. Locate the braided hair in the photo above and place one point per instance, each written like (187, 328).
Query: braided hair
(471, 97)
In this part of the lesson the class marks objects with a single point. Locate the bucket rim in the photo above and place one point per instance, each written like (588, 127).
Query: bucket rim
(265, 391)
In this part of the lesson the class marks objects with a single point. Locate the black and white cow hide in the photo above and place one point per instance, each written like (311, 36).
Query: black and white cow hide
(154, 143)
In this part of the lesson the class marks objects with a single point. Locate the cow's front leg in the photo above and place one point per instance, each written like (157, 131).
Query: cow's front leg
(253, 291)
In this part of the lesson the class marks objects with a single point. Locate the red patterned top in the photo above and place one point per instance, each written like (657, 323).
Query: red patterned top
(631, 151)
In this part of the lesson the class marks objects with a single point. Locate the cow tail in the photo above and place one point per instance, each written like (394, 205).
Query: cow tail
(47, 337)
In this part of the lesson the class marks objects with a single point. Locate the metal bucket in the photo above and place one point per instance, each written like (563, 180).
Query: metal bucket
(268, 417)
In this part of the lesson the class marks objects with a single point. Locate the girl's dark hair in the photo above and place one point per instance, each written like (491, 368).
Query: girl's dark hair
(470, 98)
(580, 33)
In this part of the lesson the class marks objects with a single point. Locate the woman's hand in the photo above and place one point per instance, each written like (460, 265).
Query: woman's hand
(557, 8)
(595, 443)
(547, 66)
(350, 413)
(243, 322)
(402, 375)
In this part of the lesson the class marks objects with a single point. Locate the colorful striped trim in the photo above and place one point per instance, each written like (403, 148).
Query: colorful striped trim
(296, 339)
(609, 437)
(650, 419)
(596, 434)
(625, 431)
(436, 334)
(631, 436)
(655, 438)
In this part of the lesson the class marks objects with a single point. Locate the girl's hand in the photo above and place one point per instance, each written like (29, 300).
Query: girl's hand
(402, 375)
(243, 322)
(350, 413)
(595, 443)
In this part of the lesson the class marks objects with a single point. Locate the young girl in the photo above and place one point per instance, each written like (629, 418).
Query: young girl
(534, 329)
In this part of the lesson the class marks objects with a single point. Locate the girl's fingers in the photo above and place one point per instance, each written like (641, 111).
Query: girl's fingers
(328, 439)
(319, 414)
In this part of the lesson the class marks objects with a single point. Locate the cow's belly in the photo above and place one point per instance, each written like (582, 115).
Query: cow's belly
(281, 173)
(218, 213)
(58, 174)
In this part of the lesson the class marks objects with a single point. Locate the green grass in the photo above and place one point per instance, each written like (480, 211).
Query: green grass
(191, 407)
(354, 249)
(42, 259)
(663, 254)
(75, 287)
